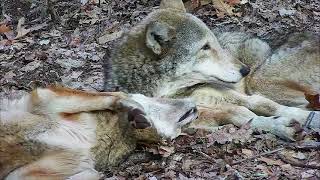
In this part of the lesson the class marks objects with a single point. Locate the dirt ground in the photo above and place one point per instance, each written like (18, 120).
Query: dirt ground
(64, 41)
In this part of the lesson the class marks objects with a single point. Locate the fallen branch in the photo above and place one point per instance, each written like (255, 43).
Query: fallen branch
(305, 145)
(296, 163)
(205, 155)
(255, 156)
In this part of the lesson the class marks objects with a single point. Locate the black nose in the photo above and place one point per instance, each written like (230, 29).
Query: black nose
(244, 71)
(189, 113)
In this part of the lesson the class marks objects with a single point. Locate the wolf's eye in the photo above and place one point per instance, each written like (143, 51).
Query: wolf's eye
(206, 47)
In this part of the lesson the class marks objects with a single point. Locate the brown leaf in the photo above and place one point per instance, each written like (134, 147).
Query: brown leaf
(21, 31)
(222, 8)
(299, 156)
(109, 37)
(271, 161)
(166, 151)
(247, 152)
(313, 99)
(286, 167)
(4, 28)
(264, 169)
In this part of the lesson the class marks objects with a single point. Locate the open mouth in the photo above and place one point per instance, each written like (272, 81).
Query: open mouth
(189, 116)
(214, 79)
(226, 82)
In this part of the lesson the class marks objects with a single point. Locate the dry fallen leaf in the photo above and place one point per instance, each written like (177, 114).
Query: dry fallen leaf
(286, 167)
(75, 38)
(222, 8)
(314, 100)
(186, 164)
(166, 151)
(21, 31)
(4, 28)
(299, 156)
(271, 161)
(247, 152)
(308, 174)
(264, 169)
(31, 66)
(109, 37)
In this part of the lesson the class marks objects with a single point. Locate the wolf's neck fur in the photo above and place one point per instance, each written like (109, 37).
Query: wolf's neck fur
(115, 139)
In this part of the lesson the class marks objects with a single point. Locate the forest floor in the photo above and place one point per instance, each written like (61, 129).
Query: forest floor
(68, 48)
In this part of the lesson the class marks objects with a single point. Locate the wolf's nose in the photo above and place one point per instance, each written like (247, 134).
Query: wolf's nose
(189, 114)
(244, 71)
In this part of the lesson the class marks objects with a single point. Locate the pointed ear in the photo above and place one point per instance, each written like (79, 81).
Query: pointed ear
(158, 35)
(173, 4)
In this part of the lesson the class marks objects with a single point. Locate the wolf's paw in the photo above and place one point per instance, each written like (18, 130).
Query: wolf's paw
(283, 127)
(287, 128)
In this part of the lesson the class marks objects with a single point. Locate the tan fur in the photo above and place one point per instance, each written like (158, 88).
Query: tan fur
(56, 132)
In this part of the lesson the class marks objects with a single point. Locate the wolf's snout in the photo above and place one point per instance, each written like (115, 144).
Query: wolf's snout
(189, 114)
(245, 70)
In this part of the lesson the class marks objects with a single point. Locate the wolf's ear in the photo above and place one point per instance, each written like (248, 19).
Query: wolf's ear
(158, 35)
(173, 4)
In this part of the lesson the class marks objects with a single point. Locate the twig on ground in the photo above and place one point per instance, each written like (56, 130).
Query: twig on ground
(205, 155)
(296, 163)
(258, 155)
(305, 145)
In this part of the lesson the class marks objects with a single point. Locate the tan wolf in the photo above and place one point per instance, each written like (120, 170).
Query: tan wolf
(172, 53)
(59, 133)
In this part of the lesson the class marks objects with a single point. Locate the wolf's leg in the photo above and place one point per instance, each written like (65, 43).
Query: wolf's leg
(58, 99)
(267, 107)
(213, 116)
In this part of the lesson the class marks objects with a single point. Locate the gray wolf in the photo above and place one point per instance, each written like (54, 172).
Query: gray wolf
(172, 53)
(59, 133)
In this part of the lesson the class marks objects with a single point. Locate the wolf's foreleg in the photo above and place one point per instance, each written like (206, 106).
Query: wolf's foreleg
(267, 107)
(212, 116)
(58, 99)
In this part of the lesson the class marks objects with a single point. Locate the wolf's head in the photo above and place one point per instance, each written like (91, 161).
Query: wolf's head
(166, 116)
(170, 50)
